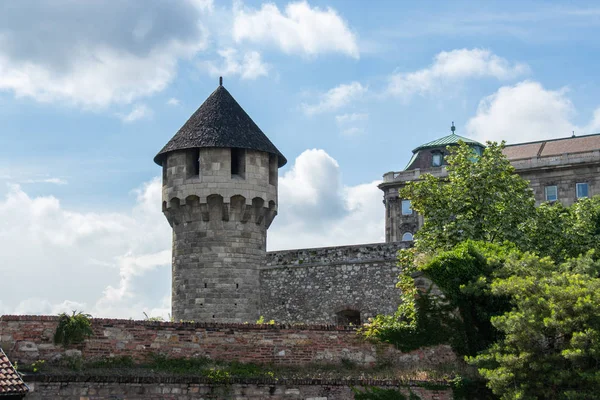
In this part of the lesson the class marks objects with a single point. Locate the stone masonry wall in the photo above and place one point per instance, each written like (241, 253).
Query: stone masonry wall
(92, 388)
(315, 284)
(29, 338)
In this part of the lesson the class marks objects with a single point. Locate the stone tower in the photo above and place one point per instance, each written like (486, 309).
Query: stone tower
(220, 196)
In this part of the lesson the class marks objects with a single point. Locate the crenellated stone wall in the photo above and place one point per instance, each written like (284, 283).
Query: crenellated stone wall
(316, 285)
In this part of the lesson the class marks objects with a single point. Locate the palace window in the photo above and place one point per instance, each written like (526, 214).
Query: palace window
(551, 193)
(582, 190)
(436, 160)
(406, 208)
(407, 237)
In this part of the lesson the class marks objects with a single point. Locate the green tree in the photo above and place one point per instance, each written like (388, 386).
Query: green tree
(481, 199)
(564, 232)
(462, 317)
(551, 344)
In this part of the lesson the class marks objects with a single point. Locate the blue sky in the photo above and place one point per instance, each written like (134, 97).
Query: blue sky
(91, 91)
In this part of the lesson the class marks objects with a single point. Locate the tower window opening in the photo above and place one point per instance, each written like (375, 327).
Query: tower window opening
(238, 163)
(205, 285)
(436, 160)
(193, 163)
(237, 285)
(164, 172)
(348, 317)
(273, 169)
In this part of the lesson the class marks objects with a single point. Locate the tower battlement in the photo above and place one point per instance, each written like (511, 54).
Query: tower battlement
(199, 185)
(236, 210)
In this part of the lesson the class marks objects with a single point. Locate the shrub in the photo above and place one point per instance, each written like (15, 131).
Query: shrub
(73, 329)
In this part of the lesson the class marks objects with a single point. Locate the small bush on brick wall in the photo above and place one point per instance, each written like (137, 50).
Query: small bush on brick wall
(73, 329)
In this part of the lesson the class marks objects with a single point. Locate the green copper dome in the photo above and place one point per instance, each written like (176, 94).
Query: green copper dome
(447, 141)
(420, 157)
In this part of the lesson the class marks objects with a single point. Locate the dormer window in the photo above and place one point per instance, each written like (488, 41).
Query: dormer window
(436, 160)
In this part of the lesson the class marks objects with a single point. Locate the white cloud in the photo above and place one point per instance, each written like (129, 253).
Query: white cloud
(300, 29)
(109, 264)
(352, 124)
(250, 66)
(204, 5)
(55, 181)
(135, 55)
(527, 112)
(316, 210)
(594, 125)
(139, 111)
(453, 66)
(336, 98)
(173, 102)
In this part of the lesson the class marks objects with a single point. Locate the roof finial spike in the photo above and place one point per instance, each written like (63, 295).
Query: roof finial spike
(452, 128)
(220, 81)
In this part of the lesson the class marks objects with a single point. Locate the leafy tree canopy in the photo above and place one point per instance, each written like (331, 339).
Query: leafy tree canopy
(481, 199)
(564, 232)
(551, 344)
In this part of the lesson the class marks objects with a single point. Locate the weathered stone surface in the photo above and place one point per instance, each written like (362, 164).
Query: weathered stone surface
(68, 388)
(314, 285)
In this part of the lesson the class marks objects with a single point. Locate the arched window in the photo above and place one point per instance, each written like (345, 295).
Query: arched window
(348, 317)
(407, 237)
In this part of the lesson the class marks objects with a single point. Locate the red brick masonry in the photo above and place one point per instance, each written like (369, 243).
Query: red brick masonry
(29, 338)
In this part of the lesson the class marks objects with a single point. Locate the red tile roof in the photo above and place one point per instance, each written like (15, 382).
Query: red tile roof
(10, 380)
(553, 147)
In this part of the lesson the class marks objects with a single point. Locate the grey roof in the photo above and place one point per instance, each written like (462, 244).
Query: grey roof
(220, 122)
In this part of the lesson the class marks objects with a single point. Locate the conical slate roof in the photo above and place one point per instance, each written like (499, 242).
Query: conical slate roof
(220, 122)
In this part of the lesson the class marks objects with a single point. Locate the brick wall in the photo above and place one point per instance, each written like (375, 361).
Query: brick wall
(91, 388)
(29, 338)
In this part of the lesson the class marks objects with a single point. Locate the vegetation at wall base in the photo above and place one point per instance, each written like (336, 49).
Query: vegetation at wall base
(375, 393)
(73, 329)
(515, 289)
